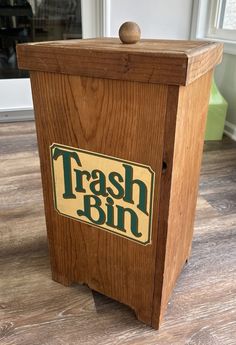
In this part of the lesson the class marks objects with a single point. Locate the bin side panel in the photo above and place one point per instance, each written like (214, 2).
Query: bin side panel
(185, 152)
(115, 118)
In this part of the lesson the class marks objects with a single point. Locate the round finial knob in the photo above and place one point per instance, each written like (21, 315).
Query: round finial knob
(129, 33)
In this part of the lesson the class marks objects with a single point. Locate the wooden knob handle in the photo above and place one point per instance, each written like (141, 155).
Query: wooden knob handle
(129, 33)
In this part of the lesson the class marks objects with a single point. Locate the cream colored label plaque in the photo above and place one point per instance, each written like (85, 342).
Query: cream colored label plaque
(110, 193)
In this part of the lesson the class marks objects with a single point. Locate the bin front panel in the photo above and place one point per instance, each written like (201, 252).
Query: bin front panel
(120, 119)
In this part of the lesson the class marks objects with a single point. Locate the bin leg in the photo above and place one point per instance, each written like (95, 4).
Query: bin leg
(142, 316)
(59, 278)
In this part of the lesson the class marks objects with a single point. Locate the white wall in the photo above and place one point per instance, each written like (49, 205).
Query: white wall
(225, 76)
(15, 100)
(156, 18)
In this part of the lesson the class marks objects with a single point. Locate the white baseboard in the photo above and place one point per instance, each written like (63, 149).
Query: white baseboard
(15, 115)
(230, 130)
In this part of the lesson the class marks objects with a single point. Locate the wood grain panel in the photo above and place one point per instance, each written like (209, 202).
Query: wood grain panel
(152, 61)
(112, 118)
(182, 182)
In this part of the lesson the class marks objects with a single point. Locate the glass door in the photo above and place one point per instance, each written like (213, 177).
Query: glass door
(24, 21)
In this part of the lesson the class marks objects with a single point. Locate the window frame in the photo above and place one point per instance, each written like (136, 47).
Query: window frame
(215, 20)
(205, 25)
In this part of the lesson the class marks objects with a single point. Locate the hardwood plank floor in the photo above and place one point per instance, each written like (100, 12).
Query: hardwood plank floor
(34, 310)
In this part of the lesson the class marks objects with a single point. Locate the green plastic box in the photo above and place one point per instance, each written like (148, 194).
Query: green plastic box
(216, 115)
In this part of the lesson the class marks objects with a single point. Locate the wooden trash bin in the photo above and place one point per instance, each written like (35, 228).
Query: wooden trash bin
(120, 133)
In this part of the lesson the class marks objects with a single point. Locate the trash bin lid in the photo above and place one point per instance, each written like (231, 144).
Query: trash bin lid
(171, 62)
